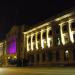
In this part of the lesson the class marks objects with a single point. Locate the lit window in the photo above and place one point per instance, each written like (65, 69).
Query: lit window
(66, 38)
(65, 27)
(73, 25)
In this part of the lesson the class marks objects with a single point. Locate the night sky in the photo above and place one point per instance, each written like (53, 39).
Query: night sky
(29, 12)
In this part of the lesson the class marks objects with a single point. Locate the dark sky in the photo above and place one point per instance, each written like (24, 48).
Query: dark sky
(29, 12)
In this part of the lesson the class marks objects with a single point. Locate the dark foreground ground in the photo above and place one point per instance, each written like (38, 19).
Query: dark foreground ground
(38, 71)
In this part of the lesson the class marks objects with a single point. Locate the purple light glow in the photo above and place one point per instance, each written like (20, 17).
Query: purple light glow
(12, 46)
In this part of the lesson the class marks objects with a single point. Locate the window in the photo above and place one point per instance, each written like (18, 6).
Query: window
(44, 35)
(59, 42)
(50, 33)
(66, 38)
(33, 38)
(29, 39)
(73, 25)
(65, 27)
(38, 36)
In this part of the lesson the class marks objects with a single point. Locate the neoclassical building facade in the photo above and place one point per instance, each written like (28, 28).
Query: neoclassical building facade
(51, 42)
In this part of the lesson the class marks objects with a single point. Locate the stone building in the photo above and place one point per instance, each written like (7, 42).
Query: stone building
(51, 42)
(14, 46)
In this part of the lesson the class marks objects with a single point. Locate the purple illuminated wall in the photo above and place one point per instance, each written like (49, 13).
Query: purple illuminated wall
(12, 46)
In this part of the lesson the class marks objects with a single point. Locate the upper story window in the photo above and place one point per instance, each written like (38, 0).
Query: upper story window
(65, 27)
(33, 38)
(44, 35)
(50, 33)
(73, 25)
(38, 36)
(66, 38)
(29, 39)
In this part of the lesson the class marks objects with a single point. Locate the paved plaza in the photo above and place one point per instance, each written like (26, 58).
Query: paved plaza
(38, 71)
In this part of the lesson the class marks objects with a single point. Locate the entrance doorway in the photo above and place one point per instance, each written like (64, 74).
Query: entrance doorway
(66, 56)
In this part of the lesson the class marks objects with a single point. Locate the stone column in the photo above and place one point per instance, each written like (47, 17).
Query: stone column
(70, 31)
(61, 33)
(36, 40)
(31, 42)
(27, 47)
(47, 31)
(41, 38)
(47, 42)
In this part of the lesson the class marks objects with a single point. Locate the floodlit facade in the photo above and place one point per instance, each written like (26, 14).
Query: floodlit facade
(51, 42)
(14, 46)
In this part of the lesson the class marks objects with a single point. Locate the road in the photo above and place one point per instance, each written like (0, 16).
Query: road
(38, 71)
